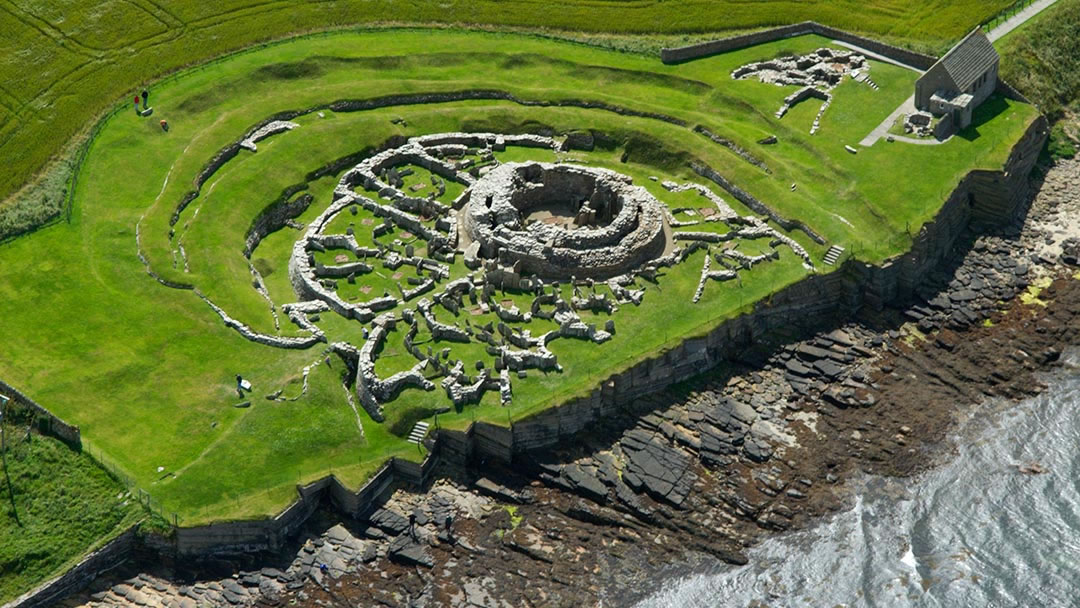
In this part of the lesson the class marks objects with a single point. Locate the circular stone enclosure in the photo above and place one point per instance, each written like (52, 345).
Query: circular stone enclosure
(558, 221)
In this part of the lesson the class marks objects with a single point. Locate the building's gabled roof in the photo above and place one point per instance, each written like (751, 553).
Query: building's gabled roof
(969, 59)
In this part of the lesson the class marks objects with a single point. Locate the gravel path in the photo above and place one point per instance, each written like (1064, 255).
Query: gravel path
(1018, 19)
(882, 130)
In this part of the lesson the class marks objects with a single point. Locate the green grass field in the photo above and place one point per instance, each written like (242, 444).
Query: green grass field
(147, 371)
(63, 62)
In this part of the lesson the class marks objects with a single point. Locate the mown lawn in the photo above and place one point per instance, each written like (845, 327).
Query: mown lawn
(147, 371)
(64, 62)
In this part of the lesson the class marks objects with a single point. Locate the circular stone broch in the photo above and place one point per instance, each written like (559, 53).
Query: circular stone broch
(440, 239)
(559, 221)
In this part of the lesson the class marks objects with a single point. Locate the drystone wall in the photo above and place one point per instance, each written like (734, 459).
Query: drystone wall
(113, 554)
(271, 534)
(275, 216)
(704, 49)
(49, 423)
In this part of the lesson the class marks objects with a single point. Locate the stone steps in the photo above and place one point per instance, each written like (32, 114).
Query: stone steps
(419, 431)
(833, 254)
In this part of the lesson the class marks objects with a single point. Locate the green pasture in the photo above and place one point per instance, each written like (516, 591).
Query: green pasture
(64, 62)
(147, 371)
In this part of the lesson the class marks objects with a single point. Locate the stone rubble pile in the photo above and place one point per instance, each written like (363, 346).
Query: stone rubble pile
(816, 74)
(270, 128)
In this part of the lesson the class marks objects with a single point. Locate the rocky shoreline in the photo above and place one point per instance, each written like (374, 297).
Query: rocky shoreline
(703, 470)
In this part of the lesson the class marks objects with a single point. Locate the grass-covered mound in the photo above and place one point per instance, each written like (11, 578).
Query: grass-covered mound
(62, 63)
(147, 371)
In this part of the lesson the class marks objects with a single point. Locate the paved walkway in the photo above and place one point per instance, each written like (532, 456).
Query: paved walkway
(1018, 19)
(882, 130)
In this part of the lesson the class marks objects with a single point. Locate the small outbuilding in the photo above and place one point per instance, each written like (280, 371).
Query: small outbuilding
(961, 80)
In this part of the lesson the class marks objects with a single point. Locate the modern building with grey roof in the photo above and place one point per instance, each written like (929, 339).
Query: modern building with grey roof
(960, 81)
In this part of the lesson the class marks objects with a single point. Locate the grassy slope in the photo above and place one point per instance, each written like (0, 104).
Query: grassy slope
(63, 62)
(1042, 58)
(65, 504)
(129, 360)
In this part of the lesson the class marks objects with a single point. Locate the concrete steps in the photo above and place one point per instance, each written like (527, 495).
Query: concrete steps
(419, 431)
(833, 254)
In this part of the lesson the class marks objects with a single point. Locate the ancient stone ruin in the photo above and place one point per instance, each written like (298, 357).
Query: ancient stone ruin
(530, 228)
(816, 74)
(560, 221)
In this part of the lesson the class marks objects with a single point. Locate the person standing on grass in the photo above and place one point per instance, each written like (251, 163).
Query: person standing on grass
(145, 98)
(137, 104)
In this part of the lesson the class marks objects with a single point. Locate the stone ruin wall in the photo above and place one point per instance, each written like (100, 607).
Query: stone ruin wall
(982, 196)
(47, 421)
(704, 49)
(634, 235)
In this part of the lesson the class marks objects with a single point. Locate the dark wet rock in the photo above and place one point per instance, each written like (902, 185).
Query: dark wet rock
(404, 550)
(607, 472)
(757, 449)
(829, 367)
(389, 522)
(797, 368)
(505, 494)
(664, 470)
(585, 483)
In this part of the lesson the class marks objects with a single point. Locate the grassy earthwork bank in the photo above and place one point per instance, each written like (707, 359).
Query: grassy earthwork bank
(55, 505)
(64, 62)
(147, 371)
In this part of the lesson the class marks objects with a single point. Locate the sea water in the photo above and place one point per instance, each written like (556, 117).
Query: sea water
(972, 532)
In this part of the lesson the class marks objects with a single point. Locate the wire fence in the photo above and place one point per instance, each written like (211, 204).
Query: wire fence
(1006, 14)
(145, 499)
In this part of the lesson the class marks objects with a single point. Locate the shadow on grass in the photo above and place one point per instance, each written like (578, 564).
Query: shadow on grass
(989, 110)
(408, 418)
